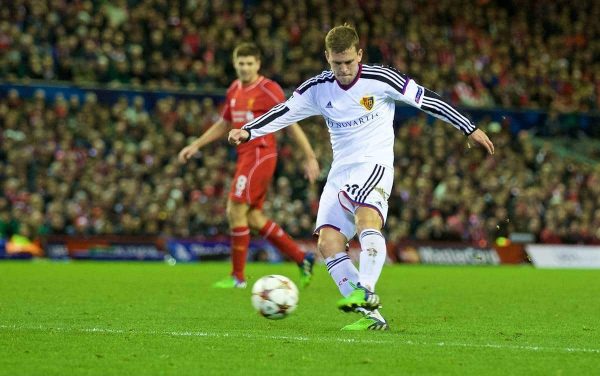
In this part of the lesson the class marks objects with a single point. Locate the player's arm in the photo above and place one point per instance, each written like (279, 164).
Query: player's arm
(434, 105)
(299, 106)
(404, 89)
(311, 166)
(215, 132)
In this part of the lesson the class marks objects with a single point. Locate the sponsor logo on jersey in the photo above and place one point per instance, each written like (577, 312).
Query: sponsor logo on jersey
(329, 105)
(367, 102)
(232, 102)
(419, 94)
(351, 123)
(250, 104)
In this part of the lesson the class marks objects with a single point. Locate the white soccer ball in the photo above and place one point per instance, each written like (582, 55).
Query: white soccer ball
(274, 296)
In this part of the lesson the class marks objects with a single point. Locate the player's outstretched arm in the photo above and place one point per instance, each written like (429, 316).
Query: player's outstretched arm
(311, 165)
(216, 131)
(434, 105)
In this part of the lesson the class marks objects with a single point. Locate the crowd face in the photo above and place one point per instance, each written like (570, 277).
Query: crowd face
(523, 54)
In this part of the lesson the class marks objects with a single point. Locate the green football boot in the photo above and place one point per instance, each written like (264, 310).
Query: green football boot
(306, 269)
(361, 297)
(230, 283)
(368, 322)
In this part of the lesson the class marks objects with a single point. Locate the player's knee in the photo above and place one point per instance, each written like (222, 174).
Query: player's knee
(329, 246)
(256, 220)
(236, 214)
(367, 218)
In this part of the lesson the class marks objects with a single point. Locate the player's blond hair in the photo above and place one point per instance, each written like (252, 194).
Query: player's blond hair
(246, 49)
(341, 38)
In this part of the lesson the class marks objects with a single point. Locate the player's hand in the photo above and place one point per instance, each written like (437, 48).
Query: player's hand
(238, 136)
(187, 152)
(481, 138)
(311, 169)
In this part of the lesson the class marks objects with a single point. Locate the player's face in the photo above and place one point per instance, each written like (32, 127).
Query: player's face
(246, 68)
(344, 65)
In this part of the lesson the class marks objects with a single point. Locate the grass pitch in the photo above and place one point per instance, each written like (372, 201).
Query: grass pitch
(155, 319)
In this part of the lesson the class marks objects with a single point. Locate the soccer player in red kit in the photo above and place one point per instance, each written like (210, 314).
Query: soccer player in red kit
(248, 97)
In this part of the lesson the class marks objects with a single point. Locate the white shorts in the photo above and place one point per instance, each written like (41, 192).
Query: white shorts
(350, 187)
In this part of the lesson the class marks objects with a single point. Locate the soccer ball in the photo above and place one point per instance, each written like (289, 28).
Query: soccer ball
(274, 296)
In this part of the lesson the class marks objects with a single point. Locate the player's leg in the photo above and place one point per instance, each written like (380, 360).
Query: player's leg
(237, 217)
(332, 247)
(364, 194)
(372, 258)
(345, 275)
(272, 232)
(372, 243)
(369, 201)
(240, 237)
(238, 206)
(334, 228)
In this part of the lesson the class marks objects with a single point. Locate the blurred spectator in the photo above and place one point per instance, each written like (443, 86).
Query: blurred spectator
(81, 167)
(527, 54)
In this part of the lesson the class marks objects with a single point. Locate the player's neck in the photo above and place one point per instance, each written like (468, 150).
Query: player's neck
(251, 81)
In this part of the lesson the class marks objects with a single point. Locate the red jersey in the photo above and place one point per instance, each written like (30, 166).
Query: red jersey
(245, 103)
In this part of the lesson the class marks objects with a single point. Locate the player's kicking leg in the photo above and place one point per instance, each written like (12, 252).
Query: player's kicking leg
(345, 275)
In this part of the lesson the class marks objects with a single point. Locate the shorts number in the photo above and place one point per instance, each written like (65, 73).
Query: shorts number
(240, 185)
(351, 188)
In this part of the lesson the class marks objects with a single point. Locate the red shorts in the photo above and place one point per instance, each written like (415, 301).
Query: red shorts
(253, 175)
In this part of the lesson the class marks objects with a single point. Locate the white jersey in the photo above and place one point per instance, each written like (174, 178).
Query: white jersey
(359, 116)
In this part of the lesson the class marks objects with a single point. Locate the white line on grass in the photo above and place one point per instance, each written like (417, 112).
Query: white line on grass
(300, 338)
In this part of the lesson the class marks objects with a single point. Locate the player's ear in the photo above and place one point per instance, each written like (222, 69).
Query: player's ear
(327, 55)
(360, 53)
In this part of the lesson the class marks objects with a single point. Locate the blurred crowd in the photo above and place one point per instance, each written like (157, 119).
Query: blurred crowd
(76, 166)
(525, 54)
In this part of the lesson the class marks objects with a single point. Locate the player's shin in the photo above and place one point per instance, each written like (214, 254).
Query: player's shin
(343, 272)
(280, 239)
(240, 239)
(372, 257)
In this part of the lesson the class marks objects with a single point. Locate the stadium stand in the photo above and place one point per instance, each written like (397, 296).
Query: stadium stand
(101, 168)
(534, 54)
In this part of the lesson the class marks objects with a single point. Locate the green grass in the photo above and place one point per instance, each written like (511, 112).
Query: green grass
(146, 318)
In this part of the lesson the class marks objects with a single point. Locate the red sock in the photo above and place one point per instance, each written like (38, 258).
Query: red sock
(240, 239)
(280, 239)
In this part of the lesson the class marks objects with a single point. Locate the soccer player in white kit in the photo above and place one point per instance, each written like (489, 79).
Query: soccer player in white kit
(358, 104)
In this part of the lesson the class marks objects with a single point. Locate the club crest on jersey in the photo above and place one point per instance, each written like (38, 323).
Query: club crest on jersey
(368, 102)
(250, 103)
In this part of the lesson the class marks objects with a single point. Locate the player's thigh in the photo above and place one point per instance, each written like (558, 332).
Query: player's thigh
(368, 185)
(237, 213)
(252, 179)
(256, 219)
(331, 213)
